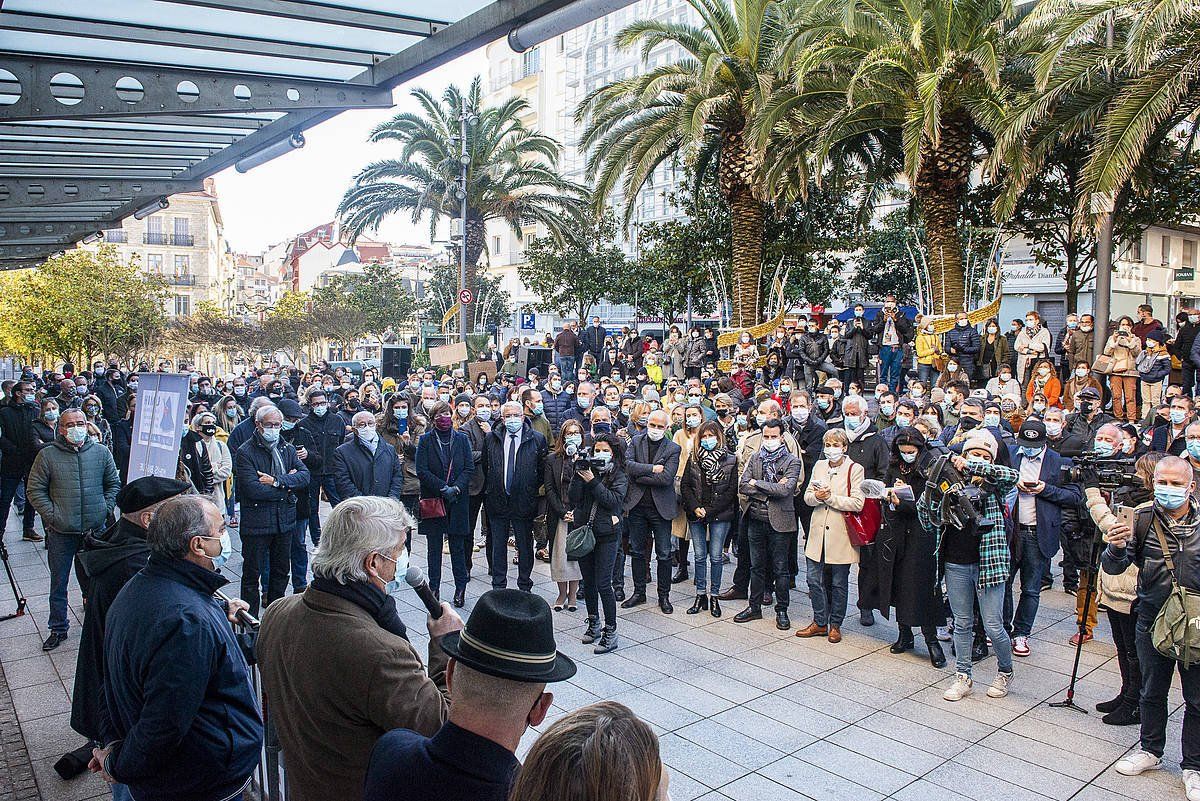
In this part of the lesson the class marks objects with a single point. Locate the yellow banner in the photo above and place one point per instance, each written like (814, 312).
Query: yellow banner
(944, 322)
(453, 310)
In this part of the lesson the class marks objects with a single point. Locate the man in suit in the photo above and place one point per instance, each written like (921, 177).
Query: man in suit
(513, 458)
(496, 693)
(650, 506)
(1041, 498)
(593, 339)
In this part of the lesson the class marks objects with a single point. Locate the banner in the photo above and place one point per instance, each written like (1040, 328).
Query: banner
(158, 424)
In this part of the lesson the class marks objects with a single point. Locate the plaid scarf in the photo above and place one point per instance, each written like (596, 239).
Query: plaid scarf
(994, 556)
(771, 462)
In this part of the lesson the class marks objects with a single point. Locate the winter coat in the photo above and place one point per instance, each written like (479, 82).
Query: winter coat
(114, 399)
(643, 479)
(858, 347)
(122, 444)
(357, 471)
(1000, 354)
(520, 500)
(828, 539)
(301, 438)
(963, 343)
(554, 407)
(673, 351)
(779, 495)
(814, 348)
(717, 498)
(1185, 340)
(870, 452)
(928, 346)
(558, 474)
(328, 433)
(181, 713)
(1074, 346)
(693, 352)
(194, 456)
(436, 475)
(222, 467)
(1051, 387)
(267, 509)
(74, 490)
(478, 438)
(907, 570)
(1031, 346)
(605, 493)
(877, 327)
(406, 448)
(17, 445)
(1124, 354)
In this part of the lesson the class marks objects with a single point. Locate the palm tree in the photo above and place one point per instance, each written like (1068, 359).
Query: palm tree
(698, 107)
(511, 175)
(905, 89)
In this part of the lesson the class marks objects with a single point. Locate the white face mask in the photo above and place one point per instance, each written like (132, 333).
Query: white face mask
(772, 445)
(834, 453)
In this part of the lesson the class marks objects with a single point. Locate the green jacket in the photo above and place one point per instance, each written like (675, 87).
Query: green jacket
(73, 490)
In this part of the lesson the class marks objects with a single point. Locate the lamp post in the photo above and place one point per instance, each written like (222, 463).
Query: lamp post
(466, 117)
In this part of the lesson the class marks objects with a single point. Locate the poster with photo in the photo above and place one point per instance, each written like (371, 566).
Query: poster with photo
(158, 424)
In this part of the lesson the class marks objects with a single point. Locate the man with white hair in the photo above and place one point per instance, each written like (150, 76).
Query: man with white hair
(269, 471)
(650, 506)
(366, 465)
(338, 669)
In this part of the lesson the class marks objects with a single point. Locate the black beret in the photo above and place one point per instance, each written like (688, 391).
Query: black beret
(149, 490)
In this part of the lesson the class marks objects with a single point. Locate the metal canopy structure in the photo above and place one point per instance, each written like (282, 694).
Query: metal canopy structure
(108, 105)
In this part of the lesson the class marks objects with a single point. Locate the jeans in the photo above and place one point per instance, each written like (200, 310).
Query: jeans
(231, 500)
(643, 526)
(927, 374)
(597, 571)
(120, 792)
(1032, 568)
(962, 588)
(1156, 683)
(523, 535)
(708, 538)
(566, 367)
(60, 555)
(314, 503)
(272, 551)
(768, 546)
(8, 492)
(890, 364)
(299, 556)
(811, 370)
(829, 591)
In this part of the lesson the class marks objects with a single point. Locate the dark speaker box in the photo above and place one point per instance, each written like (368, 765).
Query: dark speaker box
(395, 361)
(533, 358)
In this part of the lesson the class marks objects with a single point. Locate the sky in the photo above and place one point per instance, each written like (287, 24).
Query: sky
(301, 190)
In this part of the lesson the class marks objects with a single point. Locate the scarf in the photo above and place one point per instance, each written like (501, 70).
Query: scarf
(710, 461)
(372, 600)
(771, 463)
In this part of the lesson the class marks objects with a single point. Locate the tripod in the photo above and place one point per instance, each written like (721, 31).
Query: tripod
(12, 581)
(1094, 580)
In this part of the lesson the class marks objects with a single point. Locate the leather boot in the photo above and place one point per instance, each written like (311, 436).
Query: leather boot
(904, 642)
(937, 657)
(699, 605)
(592, 632)
(733, 594)
(637, 599)
(714, 608)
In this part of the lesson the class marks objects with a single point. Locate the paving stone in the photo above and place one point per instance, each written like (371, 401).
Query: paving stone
(817, 781)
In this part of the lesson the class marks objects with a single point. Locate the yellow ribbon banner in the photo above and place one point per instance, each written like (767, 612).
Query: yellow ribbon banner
(453, 310)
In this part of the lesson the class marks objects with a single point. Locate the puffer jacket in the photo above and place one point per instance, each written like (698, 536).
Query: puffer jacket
(74, 490)
(556, 406)
(17, 445)
(963, 342)
(814, 348)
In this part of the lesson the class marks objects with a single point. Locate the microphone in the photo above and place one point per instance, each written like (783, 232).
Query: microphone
(415, 578)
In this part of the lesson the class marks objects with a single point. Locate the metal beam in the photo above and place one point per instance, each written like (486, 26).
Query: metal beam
(108, 91)
(121, 173)
(51, 162)
(216, 121)
(25, 132)
(361, 19)
(25, 192)
(159, 35)
(40, 147)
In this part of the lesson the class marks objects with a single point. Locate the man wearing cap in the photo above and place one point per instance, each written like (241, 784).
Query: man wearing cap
(1170, 438)
(1088, 417)
(499, 667)
(108, 561)
(1041, 499)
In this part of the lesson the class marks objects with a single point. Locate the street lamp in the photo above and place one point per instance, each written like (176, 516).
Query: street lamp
(465, 118)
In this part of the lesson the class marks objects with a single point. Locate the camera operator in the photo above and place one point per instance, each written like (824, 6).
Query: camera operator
(597, 495)
(1173, 518)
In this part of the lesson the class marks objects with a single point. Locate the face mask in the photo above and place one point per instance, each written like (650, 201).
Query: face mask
(887, 408)
(482, 414)
(917, 393)
(858, 312)
(601, 428)
(1178, 416)
(270, 434)
(463, 410)
(444, 397)
(584, 403)
(908, 458)
(1085, 327)
(991, 420)
(605, 458)
(1103, 448)
(837, 393)
(443, 422)
(1043, 371)
(853, 422)
(226, 549)
(514, 424)
(834, 454)
(655, 434)
(369, 436)
(962, 323)
(288, 425)
(1005, 378)
(708, 443)
(952, 367)
(1193, 448)
(1085, 407)
(539, 408)
(76, 435)
(1170, 497)
(1031, 323)
(1072, 324)
(1053, 429)
(1030, 452)
(760, 420)
(1039, 407)
(428, 403)
(692, 422)
(772, 445)
(50, 416)
(573, 440)
(208, 430)
(742, 421)
(393, 586)
(903, 422)
(800, 414)
(1194, 318)
(556, 386)
(993, 329)
(822, 403)
(30, 398)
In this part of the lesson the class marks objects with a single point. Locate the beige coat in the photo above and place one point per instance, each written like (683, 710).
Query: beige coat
(827, 536)
(335, 682)
(1124, 356)
(679, 526)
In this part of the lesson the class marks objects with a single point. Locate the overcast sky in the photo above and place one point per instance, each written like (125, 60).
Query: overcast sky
(301, 190)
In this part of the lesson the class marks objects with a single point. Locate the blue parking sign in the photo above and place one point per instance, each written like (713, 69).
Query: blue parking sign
(527, 321)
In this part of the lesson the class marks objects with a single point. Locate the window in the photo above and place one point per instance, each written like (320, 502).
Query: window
(154, 231)
(495, 246)
(1133, 250)
(183, 264)
(154, 263)
(530, 62)
(1166, 250)
(183, 305)
(1189, 253)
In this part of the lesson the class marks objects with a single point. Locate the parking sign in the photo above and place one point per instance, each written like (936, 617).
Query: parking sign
(527, 321)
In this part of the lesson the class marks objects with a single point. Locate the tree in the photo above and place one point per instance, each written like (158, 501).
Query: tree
(666, 273)
(511, 174)
(572, 275)
(493, 305)
(886, 263)
(804, 238)
(377, 294)
(897, 89)
(698, 107)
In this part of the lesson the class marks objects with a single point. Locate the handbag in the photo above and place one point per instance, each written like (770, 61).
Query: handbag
(434, 508)
(1176, 630)
(862, 527)
(1103, 365)
(582, 540)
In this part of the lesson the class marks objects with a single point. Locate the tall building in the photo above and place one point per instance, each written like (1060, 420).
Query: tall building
(185, 244)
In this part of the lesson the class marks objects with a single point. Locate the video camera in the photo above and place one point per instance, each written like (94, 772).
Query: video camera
(1106, 472)
(960, 502)
(586, 460)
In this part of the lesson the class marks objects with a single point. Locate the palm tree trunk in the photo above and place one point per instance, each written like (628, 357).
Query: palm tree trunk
(748, 218)
(476, 239)
(941, 187)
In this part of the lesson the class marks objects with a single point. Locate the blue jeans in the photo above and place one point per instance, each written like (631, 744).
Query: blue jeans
(643, 527)
(829, 591)
(962, 588)
(120, 792)
(9, 488)
(523, 535)
(1032, 568)
(314, 504)
(60, 555)
(926, 374)
(891, 358)
(299, 556)
(566, 367)
(231, 499)
(708, 540)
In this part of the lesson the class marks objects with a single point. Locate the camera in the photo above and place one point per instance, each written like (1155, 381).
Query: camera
(1106, 472)
(960, 504)
(586, 460)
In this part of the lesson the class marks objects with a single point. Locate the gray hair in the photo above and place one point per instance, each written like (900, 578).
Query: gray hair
(263, 411)
(855, 400)
(258, 403)
(355, 529)
(176, 521)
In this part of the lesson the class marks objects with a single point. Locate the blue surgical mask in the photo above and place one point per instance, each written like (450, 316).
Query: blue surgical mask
(605, 457)
(393, 586)
(852, 422)
(539, 408)
(903, 422)
(1103, 448)
(1053, 429)
(320, 411)
(991, 420)
(573, 440)
(1193, 448)
(50, 416)
(226, 549)
(270, 434)
(708, 443)
(887, 408)
(1178, 416)
(483, 414)
(1030, 452)
(288, 425)
(584, 403)
(823, 403)
(401, 413)
(1170, 497)
(514, 424)
(908, 458)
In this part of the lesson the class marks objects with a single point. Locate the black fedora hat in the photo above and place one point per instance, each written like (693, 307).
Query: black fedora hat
(510, 634)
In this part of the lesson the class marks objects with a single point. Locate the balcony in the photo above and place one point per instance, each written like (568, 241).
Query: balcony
(178, 240)
(180, 280)
(117, 236)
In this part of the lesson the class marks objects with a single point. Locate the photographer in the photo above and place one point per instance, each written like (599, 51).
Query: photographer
(597, 495)
(1171, 523)
(977, 559)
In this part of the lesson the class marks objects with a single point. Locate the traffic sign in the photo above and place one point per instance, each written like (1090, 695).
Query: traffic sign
(528, 321)
(466, 297)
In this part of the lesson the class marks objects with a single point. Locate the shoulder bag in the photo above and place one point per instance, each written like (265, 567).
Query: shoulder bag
(1176, 629)
(1103, 365)
(862, 527)
(582, 540)
(435, 508)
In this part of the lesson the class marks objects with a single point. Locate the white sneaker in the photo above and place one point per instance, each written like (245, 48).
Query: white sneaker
(943, 633)
(1191, 784)
(999, 687)
(1137, 763)
(960, 689)
(1020, 646)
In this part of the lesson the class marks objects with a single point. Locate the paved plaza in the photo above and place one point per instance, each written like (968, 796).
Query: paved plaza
(744, 712)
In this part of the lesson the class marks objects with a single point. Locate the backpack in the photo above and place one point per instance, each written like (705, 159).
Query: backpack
(1176, 629)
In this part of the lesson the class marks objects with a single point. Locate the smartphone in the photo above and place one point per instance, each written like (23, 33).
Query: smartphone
(1125, 515)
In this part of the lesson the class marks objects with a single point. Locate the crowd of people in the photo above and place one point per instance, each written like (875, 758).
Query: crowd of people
(776, 456)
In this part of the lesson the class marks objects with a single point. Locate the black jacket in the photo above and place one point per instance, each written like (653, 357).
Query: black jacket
(18, 446)
(605, 493)
(267, 509)
(299, 438)
(452, 765)
(1181, 348)
(904, 328)
(107, 563)
(718, 499)
(871, 452)
(814, 348)
(643, 479)
(357, 471)
(963, 342)
(194, 455)
(521, 499)
(180, 713)
(327, 433)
